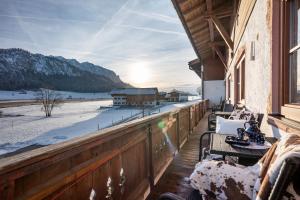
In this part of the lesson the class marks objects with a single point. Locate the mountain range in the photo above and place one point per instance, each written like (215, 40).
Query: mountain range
(20, 69)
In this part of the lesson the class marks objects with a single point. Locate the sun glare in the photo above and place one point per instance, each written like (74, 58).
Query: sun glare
(140, 73)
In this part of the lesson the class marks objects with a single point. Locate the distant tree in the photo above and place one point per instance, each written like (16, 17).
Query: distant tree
(49, 99)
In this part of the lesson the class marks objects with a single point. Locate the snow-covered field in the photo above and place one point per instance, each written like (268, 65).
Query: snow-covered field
(68, 121)
(27, 95)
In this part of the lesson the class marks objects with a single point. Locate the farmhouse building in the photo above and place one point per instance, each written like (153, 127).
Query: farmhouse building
(135, 97)
(177, 96)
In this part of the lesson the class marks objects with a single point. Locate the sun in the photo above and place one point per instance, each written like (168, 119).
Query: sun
(139, 73)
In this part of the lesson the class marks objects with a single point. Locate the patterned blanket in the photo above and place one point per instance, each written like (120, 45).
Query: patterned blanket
(223, 180)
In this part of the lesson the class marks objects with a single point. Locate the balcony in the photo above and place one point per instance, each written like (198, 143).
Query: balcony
(123, 162)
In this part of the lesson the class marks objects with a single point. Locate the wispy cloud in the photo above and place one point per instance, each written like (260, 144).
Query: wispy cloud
(155, 16)
(152, 29)
(48, 19)
(114, 34)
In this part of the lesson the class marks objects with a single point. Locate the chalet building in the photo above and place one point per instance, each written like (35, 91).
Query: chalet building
(135, 97)
(177, 96)
(162, 96)
(246, 53)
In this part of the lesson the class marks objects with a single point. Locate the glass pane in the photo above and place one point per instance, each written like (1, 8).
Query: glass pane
(295, 77)
(294, 23)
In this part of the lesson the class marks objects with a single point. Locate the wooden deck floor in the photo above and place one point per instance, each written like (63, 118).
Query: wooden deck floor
(174, 178)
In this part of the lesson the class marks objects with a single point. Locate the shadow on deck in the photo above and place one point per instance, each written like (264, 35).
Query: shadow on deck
(175, 177)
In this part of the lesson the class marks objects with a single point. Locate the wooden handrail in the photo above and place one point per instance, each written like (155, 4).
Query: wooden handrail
(142, 148)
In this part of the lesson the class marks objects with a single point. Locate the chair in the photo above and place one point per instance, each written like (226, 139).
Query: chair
(288, 173)
(226, 108)
(219, 107)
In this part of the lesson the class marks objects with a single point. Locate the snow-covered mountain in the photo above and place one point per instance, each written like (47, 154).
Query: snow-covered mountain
(20, 69)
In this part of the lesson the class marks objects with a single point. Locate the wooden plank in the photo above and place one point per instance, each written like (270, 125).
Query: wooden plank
(175, 178)
(222, 31)
(220, 13)
(192, 9)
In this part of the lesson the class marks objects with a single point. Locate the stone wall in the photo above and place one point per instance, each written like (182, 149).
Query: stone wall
(258, 70)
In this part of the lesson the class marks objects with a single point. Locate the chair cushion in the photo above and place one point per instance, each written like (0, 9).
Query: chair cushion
(228, 126)
(221, 180)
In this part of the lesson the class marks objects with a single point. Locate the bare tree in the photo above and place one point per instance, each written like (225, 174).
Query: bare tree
(49, 99)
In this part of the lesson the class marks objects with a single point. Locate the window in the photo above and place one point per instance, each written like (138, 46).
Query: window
(294, 52)
(228, 84)
(240, 80)
(286, 59)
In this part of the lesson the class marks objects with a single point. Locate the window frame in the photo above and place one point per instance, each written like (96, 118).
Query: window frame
(239, 79)
(229, 79)
(280, 66)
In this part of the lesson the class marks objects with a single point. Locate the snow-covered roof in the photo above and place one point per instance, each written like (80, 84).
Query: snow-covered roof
(134, 91)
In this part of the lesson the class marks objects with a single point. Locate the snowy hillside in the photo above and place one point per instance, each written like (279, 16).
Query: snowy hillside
(20, 69)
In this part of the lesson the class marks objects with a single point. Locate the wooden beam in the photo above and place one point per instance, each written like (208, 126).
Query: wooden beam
(200, 33)
(192, 9)
(182, 1)
(199, 30)
(201, 42)
(194, 19)
(219, 53)
(219, 14)
(210, 24)
(217, 43)
(222, 31)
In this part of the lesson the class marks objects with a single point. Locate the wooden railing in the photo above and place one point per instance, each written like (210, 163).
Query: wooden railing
(122, 162)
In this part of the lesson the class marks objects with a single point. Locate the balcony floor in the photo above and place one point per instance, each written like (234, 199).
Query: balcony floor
(174, 178)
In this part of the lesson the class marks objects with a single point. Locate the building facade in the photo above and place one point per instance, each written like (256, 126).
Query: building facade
(176, 96)
(247, 54)
(135, 97)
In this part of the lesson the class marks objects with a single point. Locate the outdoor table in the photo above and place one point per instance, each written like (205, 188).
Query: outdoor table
(220, 147)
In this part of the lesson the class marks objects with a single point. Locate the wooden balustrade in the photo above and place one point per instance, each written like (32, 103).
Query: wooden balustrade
(122, 162)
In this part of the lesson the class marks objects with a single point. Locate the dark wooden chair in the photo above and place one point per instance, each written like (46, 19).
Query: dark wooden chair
(289, 172)
(211, 120)
(219, 107)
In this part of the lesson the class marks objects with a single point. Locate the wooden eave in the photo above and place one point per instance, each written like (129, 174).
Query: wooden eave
(207, 24)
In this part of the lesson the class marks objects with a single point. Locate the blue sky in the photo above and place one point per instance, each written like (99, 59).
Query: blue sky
(124, 36)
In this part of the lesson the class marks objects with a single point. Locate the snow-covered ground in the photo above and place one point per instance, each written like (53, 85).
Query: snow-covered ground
(28, 95)
(70, 120)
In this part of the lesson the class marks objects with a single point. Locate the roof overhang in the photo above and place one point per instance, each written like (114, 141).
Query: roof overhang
(207, 24)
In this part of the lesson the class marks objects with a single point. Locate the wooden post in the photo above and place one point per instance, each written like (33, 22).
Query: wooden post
(150, 157)
(177, 131)
(190, 131)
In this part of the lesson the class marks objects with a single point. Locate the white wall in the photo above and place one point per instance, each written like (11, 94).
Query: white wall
(257, 71)
(214, 90)
(183, 98)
